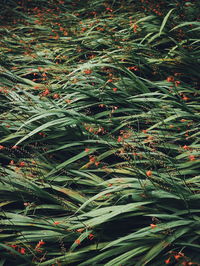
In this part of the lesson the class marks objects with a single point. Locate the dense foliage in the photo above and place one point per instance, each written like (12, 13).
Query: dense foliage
(99, 133)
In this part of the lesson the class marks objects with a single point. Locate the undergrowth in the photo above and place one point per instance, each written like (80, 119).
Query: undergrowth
(99, 133)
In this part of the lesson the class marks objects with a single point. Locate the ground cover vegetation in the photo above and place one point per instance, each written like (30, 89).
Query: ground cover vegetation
(99, 132)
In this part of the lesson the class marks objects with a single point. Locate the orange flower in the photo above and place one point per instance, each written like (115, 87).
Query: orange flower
(56, 96)
(40, 243)
(92, 158)
(91, 236)
(185, 147)
(13, 246)
(42, 134)
(153, 226)
(87, 150)
(177, 82)
(192, 158)
(77, 241)
(68, 101)
(185, 98)
(14, 147)
(56, 222)
(56, 37)
(109, 9)
(22, 251)
(1, 147)
(177, 256)
(135, 68)
(22, 164)
(149, 173)
(167, 261)
(17, 169)
(46, 92)
(87, 71)
(114, 89)
(135, 27)
(97, 163)
(80, 230)
(119, 139)
(170, 79)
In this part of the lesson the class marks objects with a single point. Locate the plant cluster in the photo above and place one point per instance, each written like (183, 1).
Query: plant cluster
(99, 133)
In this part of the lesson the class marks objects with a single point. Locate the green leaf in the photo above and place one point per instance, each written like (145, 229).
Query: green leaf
(165, 21)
